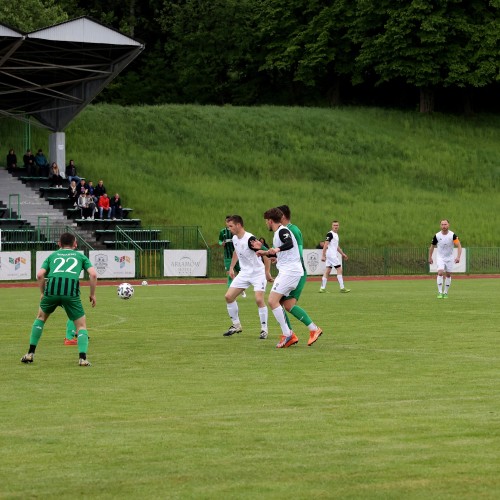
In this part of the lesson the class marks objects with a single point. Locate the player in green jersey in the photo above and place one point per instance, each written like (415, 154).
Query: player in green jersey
(290, 301)
(59, 285)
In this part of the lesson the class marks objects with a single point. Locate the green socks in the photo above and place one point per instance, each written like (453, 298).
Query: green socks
(301, 315)
(36, 331)
(70, 330)
(83, 341)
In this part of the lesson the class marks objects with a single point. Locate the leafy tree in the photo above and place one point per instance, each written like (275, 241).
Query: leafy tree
(211, 48)
(429, 43)
(308, 41)
(30, 15)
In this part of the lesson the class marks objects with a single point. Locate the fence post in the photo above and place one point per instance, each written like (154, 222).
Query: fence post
(39, 230)
(18, 205)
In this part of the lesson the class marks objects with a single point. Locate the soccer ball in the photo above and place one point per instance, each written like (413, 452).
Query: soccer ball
(144, 283)
(125, 291)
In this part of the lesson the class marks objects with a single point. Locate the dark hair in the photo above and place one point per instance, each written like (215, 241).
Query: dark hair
(236, 219)
(286, 211)
(275, 214)
(67, 239)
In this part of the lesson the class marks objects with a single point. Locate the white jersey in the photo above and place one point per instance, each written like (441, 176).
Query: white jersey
(444, 244)
(288, 260)
(250, 262)
(333, 245)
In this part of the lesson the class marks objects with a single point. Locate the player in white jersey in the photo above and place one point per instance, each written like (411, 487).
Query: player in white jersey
(253, 272)
(330, 256)
(286, 251)
(445, 241)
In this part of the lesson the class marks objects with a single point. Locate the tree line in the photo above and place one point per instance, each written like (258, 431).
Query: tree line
(427, 54)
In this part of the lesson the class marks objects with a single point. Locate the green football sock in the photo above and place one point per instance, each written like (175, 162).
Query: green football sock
(286, 318)
(70, 330)
(301, 315)
(36, 331)
(83, 341)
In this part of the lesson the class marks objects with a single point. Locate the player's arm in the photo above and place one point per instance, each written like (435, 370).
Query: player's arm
(234, 259)
(222, 240)
(93, 284)
(40, 276)
(458, 245)
(325, 248)
(341, 252)
(431, 251)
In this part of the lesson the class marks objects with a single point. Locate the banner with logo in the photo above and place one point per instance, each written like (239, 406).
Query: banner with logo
(15, 265)
(314, 264)
(113, 263)
(43, 254)
(461, 267)
(185, 263)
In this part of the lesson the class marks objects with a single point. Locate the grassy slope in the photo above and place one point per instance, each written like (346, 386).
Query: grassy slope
(388, 176)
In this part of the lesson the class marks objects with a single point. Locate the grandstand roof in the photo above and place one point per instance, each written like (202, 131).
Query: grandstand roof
(51, 74)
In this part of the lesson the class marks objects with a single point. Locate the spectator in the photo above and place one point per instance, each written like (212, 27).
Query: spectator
(73, 193)
(104, 206)
(83, 187)
(99, 190)
(90, 188)
(55, 176)
(42, 164)
(71, 173)
(116, 207)
(11, 160)
(29, 163)
(87, 211)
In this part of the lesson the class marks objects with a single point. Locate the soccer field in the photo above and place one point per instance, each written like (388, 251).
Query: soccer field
(398, 399)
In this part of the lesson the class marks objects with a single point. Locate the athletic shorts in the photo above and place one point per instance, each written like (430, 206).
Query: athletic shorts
(285, 283)
(333, 262)
(227, 265)
(295, 294)
(445, 264)
(258, 281)
(72, 305)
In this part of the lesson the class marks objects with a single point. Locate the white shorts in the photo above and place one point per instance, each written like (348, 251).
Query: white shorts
(445, 264)
(284, 283)
(258, 281)
(333, 261)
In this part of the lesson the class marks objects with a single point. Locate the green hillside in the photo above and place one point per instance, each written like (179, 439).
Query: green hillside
(388, 176)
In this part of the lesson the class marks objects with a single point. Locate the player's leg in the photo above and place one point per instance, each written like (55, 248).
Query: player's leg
(238, 285)
(283, 285)
(74, 309)
(340, 279)
(263, 313)
(70, 337)
(83, 340)
(439, 281)
(447, 283)
(36, 333)
(324, 279)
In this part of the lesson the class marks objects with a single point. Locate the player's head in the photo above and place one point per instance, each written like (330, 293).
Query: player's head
(67, 240)
(286, 211)
(273, 216)
(335, 226)
(234, 223)
(445, 224)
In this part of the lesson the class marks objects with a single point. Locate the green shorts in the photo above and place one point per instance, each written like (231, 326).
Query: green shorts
(295, 294)
(72, 305)
(227, 265)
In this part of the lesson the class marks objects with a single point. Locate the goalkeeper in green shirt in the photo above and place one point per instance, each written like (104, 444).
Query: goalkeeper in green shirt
(59, 284)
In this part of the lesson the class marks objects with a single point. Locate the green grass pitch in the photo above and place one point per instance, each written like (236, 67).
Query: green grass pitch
(398, 399)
